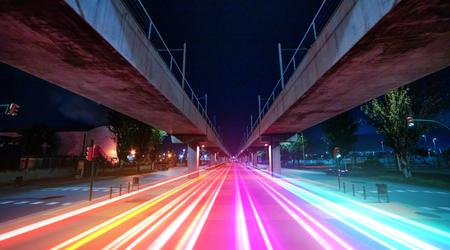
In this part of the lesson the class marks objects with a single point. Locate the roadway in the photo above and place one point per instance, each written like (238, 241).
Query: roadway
(18, 203)
(227, 207)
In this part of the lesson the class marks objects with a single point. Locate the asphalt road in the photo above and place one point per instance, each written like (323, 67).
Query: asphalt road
(229, 207)
(19, 204)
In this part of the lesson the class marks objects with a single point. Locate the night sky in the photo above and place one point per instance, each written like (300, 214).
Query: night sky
(231, 56)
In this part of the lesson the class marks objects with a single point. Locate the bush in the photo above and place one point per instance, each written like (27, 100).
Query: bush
(372, 164)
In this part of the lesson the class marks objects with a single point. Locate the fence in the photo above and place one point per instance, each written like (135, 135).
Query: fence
(323, 14)
(147, 26)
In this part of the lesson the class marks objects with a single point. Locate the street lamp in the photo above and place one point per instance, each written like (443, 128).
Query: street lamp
(382, 146)
(434, 144)
(425, 138)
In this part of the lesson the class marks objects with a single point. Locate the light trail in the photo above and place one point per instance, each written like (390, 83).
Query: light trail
(243, 241)
(357, 221)
(46, 222)
(173, 227)
(236, 206)
(117, 243)
(267, 243)
(192, 239)
(108, 225)
(160, 222)
(285, 201)
(390, 218)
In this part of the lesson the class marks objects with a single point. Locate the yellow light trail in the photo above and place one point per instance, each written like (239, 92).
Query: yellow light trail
(110, 224)
(162, 239)
(124, 238)
(194, 230)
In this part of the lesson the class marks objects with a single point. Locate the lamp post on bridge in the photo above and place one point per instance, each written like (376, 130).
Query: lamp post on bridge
(205, 97)
(183, 66)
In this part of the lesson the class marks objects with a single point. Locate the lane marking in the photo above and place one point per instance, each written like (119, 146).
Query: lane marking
(6, 202)
(36, 203)
(21, 202)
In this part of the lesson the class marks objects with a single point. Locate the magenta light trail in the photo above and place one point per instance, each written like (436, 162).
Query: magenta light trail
(268, 244)
(330, 234)
(241, 226)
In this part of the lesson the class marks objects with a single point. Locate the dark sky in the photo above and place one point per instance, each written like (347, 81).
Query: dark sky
(232, 56)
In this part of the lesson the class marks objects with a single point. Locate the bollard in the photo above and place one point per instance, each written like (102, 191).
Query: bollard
(343, 186)
(364, 192)
(128, 187)
(353, 189)
(120, 189)
(110, 192)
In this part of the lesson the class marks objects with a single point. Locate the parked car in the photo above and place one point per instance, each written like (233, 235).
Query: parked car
(334, 171)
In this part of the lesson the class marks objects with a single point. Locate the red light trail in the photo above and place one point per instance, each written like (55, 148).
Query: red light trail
(228, 207)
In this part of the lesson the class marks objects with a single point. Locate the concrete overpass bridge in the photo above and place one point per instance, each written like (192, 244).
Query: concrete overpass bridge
(109, 52)
(363, 50)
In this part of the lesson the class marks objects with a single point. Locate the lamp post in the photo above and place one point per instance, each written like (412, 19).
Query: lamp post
(425, 139)
(434, 144)
(382, 146)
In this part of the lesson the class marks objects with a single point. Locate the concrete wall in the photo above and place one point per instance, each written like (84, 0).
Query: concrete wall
(366, 49)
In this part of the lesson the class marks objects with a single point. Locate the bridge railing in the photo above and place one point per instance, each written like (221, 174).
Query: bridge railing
(145, 22)
(320, 19)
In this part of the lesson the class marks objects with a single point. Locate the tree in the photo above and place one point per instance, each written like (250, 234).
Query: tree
(295, 148)
(388, 114)
(340, 131)
(39, 140)
(131, 134)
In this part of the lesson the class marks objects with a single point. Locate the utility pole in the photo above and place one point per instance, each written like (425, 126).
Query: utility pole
(184, 66)
(303, 146)
(259, 105)
(91, 183)
(280, 59)
(206, 104)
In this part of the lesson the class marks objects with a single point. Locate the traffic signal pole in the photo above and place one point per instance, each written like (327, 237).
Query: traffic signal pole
(91, 184)
(11, 109)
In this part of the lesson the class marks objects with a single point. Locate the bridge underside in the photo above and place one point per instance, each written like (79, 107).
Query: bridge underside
(50, 40)
(410, 42)
(366, 49)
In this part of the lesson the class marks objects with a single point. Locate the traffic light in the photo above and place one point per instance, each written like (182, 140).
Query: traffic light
(410, 121)
(89, 153)
(337, 152)
(12, 109)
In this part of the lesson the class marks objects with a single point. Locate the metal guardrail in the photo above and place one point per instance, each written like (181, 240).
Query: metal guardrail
(321, 18)
(145, 22)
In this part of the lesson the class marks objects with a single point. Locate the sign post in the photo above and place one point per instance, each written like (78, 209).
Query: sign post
(91, 158)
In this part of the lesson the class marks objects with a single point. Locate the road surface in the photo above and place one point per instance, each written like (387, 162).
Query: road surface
(18, 204)
(227, 207)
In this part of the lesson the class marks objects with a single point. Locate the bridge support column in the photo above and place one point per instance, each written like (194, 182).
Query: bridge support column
(193, 160)
(275, 160)
(252, 158)
(214, 158)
